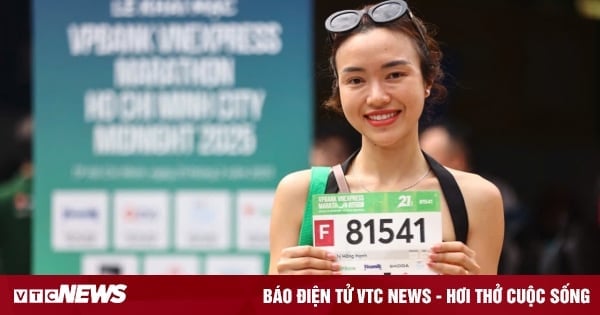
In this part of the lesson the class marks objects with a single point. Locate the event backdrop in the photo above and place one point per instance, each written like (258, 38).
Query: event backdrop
(162, 129)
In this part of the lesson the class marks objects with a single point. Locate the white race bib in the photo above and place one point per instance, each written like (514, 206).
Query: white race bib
(379, 233)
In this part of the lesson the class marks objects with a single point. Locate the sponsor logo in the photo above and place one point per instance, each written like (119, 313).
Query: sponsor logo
(73, 294)
(132, 214)
(255, 204)
(251, 210)
(81, 214)
(202, 214)
(375, 266)
(110, 269)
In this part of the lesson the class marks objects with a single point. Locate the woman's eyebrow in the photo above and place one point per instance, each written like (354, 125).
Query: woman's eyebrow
(352, 69)
(391, 64)
(394, 63)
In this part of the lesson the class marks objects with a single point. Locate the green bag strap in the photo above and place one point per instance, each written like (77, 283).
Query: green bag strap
(318, 182)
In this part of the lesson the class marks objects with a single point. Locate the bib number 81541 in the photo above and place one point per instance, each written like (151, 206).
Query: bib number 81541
(385, 231)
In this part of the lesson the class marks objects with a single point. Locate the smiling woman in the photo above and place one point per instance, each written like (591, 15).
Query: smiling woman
(386, 67)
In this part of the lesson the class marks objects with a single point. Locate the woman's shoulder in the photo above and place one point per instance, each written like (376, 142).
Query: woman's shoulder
(295, 182)
(296, 178)
(476, 190)
(291, 193)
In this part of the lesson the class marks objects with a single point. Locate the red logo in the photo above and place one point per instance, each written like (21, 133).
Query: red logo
(323, 233)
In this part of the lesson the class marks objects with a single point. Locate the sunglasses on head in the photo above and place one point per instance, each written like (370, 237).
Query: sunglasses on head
(387, 11)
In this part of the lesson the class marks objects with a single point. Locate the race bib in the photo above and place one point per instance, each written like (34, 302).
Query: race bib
(384, 233)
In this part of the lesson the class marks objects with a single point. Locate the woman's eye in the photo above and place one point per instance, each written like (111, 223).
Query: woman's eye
(354, 81)
(396, 75)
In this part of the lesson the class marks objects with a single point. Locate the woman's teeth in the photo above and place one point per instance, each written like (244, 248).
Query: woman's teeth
(382, 116)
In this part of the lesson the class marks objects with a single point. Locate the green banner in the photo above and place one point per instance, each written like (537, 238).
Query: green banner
(162, 129)
(376, 202)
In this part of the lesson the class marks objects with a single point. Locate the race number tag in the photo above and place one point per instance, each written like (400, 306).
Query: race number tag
(379, 233)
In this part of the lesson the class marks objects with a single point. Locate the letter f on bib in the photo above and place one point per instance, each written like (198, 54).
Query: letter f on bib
(323, 230)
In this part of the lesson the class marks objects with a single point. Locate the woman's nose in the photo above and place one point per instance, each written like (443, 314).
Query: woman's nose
(378, 95)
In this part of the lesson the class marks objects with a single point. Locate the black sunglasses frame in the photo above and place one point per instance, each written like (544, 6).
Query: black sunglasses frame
(403, 9)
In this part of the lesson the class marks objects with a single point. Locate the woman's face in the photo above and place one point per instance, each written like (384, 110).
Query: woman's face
(381, 87)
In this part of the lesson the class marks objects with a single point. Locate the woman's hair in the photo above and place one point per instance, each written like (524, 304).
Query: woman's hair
(430, 55)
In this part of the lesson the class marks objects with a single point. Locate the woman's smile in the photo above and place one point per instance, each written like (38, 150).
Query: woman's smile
(382, 118)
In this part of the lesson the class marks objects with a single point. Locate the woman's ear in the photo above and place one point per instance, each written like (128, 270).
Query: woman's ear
(428, 90)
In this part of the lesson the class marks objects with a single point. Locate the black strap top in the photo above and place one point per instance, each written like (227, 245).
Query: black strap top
(450, 189)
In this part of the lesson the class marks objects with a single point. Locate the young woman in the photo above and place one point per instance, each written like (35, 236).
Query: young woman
(385, 67)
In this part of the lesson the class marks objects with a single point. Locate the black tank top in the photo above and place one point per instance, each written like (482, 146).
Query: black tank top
(450, 189)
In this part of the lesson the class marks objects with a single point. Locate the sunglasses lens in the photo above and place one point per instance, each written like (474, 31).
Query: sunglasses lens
(387, 11)
(343, 21)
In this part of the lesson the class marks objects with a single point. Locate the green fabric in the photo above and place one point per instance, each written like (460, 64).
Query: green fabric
(15, 226)
(318, 182)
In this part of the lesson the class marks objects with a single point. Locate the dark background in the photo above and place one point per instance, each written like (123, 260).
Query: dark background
(523, 77)
(15, 80)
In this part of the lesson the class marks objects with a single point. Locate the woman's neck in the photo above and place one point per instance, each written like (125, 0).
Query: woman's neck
(388, 167)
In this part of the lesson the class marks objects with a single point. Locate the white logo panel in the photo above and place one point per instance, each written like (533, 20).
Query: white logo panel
(234, 265)
(171, 265)
(79, 220)
(203, 219)
(109, 265)
(141, 219)
(253, 219)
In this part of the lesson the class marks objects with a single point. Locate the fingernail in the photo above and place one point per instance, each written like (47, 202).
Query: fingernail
(331, 256)
(335, 266)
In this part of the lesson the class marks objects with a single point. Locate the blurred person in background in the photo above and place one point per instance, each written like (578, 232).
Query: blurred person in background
(447, 144)
(560, 239)
(16, 206)
(330, 149)
(334, 141)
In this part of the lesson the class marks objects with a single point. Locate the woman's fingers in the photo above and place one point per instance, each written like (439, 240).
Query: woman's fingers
(455, 263)
(307, 251)
(307, 260)
(453, 247)
(312, 272)
(447, 269)
(453, 258)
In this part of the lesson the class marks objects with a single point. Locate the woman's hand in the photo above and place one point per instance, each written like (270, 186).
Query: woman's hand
(453, 258)
(307, 260)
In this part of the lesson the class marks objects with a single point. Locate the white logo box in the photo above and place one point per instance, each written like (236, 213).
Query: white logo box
(253, 219)
(79, 220)
(234, 265)
(203, 219)
(108, 264)
(141, 219)
(171, 265)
